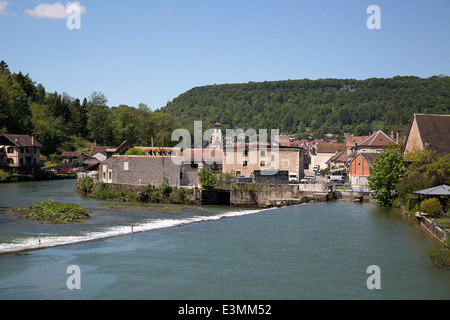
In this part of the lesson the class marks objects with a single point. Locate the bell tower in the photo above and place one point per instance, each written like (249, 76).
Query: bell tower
(217, 139)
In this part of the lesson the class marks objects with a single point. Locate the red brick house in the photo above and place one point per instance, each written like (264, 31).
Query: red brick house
(360, 166)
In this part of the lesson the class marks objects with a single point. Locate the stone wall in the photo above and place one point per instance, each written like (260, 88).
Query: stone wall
(265, 195)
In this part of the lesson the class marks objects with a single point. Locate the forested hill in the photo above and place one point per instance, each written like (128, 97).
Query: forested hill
(315, 106)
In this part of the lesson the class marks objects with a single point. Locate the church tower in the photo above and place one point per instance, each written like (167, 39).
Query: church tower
(217, 139)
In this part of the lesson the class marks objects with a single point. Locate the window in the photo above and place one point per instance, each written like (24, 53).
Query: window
(378, 151)
(125, 166)
(364, 150)
(10, 160)
(10, 150)
(262, 163)
(21, 160)
(244, 164)
(109, 175)
(238, 173)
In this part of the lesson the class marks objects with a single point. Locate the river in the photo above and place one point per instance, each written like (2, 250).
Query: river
(302, 252)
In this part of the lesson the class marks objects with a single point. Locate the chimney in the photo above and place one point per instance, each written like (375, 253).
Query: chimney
(32, 141)
(396, 135)
(392, 133)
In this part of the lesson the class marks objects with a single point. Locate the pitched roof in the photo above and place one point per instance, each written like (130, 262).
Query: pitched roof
(354, 140)
(22, 140)
(72, 154)
(369, 157)
(326, 147)
(378, 139)
(435, 132)
(436, 191)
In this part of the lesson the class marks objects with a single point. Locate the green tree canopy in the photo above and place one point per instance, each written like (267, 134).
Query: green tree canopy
(385, 175)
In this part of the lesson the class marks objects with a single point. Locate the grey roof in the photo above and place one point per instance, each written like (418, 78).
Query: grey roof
(441, 190)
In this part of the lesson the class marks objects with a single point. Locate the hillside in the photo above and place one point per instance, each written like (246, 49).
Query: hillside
(314, 106)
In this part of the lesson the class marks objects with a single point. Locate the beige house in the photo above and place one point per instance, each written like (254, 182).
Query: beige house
(245, 159)
(323, 152)
(20, 153)
(376, 142)
(429, 132)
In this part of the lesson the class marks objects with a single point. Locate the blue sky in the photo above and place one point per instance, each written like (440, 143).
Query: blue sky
(152, 51)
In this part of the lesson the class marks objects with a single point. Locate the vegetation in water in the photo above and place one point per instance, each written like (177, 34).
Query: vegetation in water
(53, 212)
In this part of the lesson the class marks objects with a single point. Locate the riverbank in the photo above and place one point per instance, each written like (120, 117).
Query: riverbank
(256, 195)
(6, 178)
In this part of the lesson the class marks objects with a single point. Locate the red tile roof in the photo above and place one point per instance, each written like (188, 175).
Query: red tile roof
(378, 139)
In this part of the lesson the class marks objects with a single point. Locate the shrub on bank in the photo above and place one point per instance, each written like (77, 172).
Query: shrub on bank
(4, 176)
(431, 206)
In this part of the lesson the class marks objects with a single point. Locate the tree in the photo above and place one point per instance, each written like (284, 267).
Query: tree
(136, 152)
(426, 170)
(86, 184)
(207, 179)
(98, 122)
(385, 175)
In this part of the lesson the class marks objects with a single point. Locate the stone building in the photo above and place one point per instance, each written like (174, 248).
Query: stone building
(141, 170)
(20, 153)
(245, 159)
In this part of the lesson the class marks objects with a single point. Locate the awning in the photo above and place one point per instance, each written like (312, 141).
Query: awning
(442, 190)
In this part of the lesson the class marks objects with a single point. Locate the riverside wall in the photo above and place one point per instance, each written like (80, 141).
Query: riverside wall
(265, 195)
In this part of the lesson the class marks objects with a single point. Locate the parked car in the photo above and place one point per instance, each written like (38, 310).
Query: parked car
(308, 179)
(293, 178)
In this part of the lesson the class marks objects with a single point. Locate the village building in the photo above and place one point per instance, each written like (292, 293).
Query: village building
(323, 152)
(102, 153)
(428, 132)
(245, 159)
(365, 152)
(141, 170)
(375, 143)
(351, 142)
(74, 158)
(359, 168)
(20, 153)
(338, 163)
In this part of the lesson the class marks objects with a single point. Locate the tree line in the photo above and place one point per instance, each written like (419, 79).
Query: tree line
(61, 122)
(315, 107)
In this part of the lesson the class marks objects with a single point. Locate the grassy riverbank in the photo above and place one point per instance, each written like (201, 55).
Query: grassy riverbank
(6, 177)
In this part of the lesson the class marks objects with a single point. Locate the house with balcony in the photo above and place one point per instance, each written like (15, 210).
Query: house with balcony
(20, 153)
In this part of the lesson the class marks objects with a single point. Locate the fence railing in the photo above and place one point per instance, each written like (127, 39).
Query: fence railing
(325, 187)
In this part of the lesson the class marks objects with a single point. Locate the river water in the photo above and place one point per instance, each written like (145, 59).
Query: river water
(310, 251)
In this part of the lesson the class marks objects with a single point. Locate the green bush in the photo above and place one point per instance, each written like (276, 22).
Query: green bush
(102, 191)
(4, 176)
(165, 188)
(56, 212)
(431, 206)
(145, 193)
(178, 197)
(86, 184)
(136, 152)
(439, 255)
(207, 179)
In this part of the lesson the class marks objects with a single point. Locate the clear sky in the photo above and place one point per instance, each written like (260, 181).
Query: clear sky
(152, 51)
